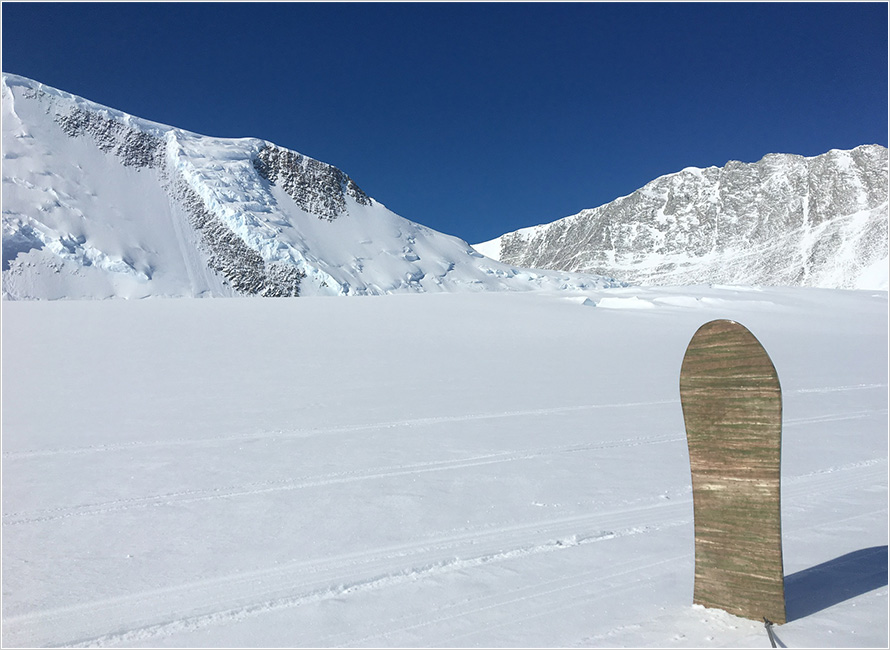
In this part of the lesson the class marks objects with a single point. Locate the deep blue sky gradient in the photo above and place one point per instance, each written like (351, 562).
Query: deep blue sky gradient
(480, 118)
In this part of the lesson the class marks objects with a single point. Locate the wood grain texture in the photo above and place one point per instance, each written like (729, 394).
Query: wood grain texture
(732, 407)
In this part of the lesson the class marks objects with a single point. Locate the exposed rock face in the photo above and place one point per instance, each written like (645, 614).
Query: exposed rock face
(318, 188)
(785, 220)
(228, 255)
(135, 148)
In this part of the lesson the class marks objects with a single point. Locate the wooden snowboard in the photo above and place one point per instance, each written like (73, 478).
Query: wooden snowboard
(732, 406)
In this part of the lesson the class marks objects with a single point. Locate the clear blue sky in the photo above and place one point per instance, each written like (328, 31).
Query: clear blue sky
(477, 119)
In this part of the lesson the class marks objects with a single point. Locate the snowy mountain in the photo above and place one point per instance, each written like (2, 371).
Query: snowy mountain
(98, 203)
(786, 220)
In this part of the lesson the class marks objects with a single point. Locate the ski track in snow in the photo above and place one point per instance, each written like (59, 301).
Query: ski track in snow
(228, 599)
(858, 415)
(353, 428)
(152, 615)
(851, 475)
(835, 389)
(262, 487)
(232, 598)
(348, 428)
(521, 595)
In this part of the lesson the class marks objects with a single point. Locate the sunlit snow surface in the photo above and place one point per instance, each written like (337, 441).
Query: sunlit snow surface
(498, 469)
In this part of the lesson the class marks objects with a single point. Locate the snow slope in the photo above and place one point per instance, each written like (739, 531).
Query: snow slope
(785, 220)
(98, 203)
(499, 469)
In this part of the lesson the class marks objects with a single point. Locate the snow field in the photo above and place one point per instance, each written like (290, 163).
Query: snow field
(499, 469)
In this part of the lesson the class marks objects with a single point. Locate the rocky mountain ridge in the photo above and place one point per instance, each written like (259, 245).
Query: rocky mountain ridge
(784, 220)
(98, 203)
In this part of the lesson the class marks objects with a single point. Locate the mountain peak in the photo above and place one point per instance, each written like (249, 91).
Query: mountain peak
(99, 203)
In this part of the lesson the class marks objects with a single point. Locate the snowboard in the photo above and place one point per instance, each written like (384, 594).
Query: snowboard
(732, 408)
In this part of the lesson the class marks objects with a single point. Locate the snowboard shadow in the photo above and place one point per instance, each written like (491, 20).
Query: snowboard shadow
(827, 584)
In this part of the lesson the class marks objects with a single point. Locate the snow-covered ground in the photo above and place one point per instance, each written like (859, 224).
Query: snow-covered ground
(487, 469)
